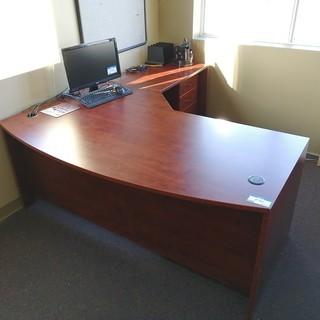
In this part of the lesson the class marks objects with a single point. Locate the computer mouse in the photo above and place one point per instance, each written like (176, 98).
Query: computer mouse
(119, 90)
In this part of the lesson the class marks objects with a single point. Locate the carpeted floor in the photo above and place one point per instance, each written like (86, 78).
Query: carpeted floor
(54, 265)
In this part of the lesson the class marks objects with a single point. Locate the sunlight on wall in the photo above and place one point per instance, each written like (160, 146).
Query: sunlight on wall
(28, 36)
(223, 54)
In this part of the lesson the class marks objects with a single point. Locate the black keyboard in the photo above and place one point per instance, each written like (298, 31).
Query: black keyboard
(95, 98)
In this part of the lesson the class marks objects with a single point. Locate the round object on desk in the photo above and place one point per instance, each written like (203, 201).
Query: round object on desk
(257, 180)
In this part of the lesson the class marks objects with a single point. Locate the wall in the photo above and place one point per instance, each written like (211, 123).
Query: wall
(17, 93)
(276, 88)
(175, 20)
(279, 88)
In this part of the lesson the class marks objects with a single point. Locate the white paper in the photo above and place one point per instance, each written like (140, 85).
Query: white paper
(59, 110)
(260, 201)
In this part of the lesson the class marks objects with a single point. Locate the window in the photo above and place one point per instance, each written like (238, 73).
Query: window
(27, 36)
(307, 26)
(284, 21)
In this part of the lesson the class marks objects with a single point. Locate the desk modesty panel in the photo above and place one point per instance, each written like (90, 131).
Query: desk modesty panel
(174, 182)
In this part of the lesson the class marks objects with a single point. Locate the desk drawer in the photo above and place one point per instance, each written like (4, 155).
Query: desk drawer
(193, 108)
(187, 99)
(188, 85)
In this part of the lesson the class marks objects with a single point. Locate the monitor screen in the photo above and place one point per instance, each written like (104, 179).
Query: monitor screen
(89, 64)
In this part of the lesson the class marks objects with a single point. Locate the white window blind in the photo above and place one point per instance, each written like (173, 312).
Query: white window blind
(27, 36)
(284, 21)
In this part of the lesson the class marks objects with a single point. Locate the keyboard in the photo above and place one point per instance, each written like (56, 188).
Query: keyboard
(95, 98)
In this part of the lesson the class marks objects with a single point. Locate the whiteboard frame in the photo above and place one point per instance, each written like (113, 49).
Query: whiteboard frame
(81, 31)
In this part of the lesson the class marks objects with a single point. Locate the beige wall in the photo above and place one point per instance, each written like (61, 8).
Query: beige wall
(175, 20)
(19, 92)
(8, 187)
(279, 89)
(276, 88)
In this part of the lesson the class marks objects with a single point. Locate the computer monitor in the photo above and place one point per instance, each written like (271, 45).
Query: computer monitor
(89, 64)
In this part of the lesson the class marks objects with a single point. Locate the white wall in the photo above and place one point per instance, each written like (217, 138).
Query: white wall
(17, 93)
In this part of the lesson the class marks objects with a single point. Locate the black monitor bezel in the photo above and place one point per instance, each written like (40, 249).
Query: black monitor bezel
(94, 83)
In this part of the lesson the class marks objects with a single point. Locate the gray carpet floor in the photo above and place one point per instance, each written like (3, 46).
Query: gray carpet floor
(55, 265)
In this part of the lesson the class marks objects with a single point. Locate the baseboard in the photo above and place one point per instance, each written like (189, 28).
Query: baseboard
(10, 208)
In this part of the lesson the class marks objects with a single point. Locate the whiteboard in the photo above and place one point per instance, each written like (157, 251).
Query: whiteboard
(121, 19)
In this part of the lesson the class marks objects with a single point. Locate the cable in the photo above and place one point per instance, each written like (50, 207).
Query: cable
(71, 95)
(33, 110)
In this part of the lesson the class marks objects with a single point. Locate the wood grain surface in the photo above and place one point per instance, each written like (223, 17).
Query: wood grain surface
(140, 141)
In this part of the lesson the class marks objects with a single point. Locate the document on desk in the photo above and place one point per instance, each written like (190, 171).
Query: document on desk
(59, 110)
(260, 201)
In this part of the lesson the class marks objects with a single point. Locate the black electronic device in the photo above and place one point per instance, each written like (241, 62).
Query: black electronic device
(138, 68)
(160, 53)
(89, 64)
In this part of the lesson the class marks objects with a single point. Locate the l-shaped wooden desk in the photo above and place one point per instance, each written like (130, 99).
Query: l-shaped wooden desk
(174, 182)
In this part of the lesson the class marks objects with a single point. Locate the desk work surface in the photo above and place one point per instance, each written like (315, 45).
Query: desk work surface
(140, 141)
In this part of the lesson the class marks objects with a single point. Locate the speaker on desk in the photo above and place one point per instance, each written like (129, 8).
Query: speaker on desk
(161, 53)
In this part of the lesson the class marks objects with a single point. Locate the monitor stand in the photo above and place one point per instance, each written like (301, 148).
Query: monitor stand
(93, 88)
(109, 85)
